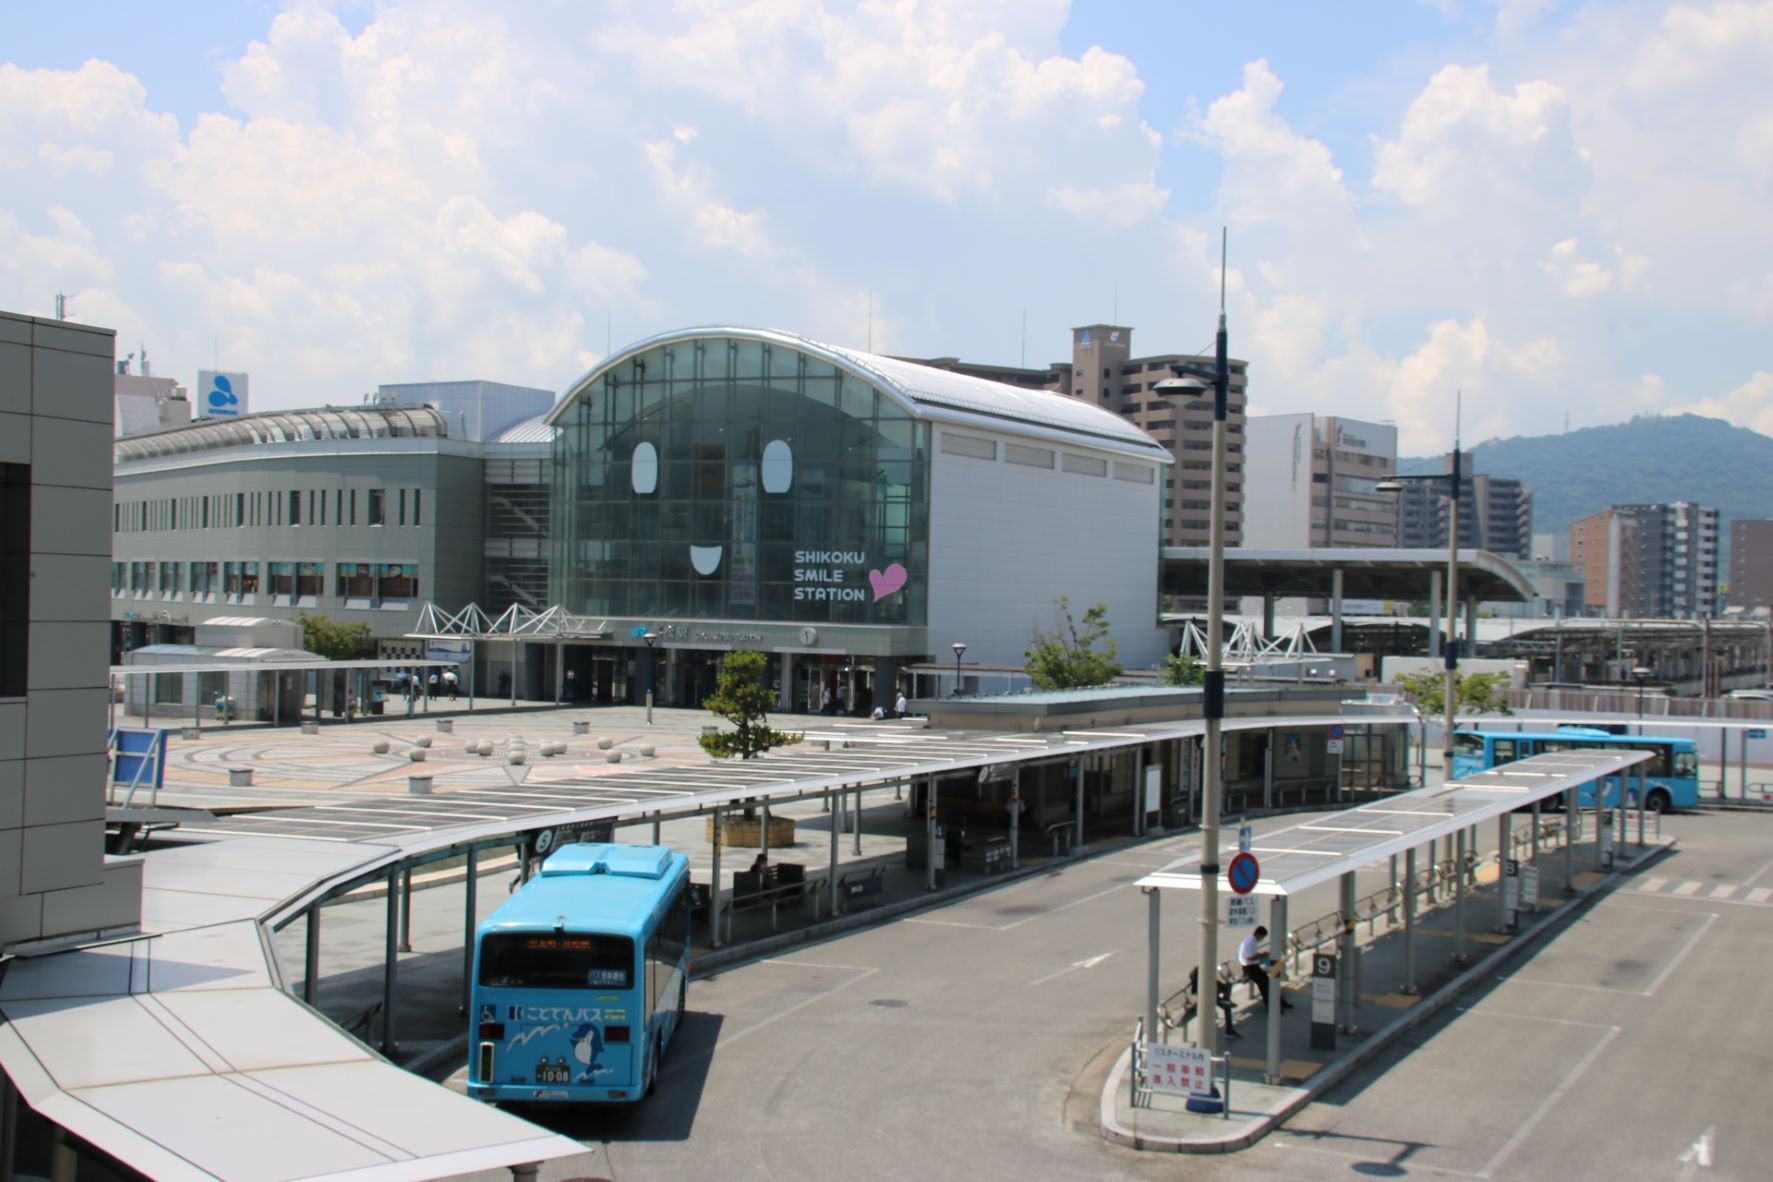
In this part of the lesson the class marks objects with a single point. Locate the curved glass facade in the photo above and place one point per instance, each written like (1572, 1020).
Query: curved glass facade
(729, 479)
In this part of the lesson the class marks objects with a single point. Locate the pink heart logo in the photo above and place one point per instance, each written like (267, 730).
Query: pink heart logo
(887, 581)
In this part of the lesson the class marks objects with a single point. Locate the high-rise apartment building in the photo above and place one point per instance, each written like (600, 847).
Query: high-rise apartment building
(1656, 561)
(1751, 564)
(1309, 482)
(1495, 514)
(1103, 371)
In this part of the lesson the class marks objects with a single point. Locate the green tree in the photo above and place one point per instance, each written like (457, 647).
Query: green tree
(742, 699)
(1478, 693)
(1181, 669)
(335, 642)
(1066, 658)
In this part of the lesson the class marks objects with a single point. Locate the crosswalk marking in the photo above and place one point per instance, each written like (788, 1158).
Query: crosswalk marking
(1655, 884)
(1724, 891)
(1688, 888)
(1728, 892)
(1760, 894)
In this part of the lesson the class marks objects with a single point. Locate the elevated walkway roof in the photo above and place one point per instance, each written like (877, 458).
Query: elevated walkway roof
(1366, 574)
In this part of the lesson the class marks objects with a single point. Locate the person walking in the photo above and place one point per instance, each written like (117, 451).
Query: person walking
(899, 705)
(1249, 955)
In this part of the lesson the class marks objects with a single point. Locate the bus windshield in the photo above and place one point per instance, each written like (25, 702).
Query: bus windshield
(556, 960)
(1468, 744)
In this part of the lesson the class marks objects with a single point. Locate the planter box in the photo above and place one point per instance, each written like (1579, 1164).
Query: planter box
(740, 832)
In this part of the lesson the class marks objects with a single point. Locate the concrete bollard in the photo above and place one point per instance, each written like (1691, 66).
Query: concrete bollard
(614, 757)
(379, 747)
(581, 728)
(239, 777)
(190, 732)
(518, 757)
(605, 744)
(310, 728)
(484, 747)
(446, 726)
(417, 755)
(471, 746)
(422, 741)
(418, 785)
(646, 753)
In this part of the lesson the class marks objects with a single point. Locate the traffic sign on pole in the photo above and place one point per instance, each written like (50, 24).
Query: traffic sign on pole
(1243, 872)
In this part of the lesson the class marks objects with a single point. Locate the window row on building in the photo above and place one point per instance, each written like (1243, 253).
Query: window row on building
(292, 507)
(285, 584)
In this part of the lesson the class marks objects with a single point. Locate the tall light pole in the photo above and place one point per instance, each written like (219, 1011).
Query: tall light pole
(1451, 648)
(651, 639)
(1638, 674)
(958, 648)
(1183, 385)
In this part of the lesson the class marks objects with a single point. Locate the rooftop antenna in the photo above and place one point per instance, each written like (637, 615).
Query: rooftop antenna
(1024, 362)
(608, 331)
(147, 371)
(870, 322)
(61, 306)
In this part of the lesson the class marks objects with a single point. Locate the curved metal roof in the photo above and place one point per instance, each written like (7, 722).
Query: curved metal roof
(531, 430)
(287, 426)
(925, 392)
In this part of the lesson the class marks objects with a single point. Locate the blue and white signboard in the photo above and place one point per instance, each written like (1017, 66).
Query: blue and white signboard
(449, 650)
(220, 395)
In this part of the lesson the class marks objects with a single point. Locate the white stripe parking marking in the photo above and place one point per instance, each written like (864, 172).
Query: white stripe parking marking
(1688, 888)
(1724, 891)
(1760, 894)
(1653, 885)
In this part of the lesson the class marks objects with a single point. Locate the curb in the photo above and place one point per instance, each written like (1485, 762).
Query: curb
(1308, 1092)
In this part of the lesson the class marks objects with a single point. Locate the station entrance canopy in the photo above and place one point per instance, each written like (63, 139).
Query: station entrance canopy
(1364, 574)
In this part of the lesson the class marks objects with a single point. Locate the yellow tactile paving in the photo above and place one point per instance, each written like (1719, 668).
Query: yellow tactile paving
(1291, 1070)
(1397, 1001)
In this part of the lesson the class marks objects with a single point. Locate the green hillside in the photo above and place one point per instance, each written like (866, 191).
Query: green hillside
(1674, 458)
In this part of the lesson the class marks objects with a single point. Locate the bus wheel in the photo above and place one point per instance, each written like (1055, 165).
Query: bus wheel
(682, 999)
(652, 1066)
(1657, 801)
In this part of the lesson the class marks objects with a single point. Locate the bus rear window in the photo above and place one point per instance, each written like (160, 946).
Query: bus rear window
(556, 960)
(1471, 745)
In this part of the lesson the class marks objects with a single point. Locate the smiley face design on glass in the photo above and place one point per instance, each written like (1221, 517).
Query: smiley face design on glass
(777, 476)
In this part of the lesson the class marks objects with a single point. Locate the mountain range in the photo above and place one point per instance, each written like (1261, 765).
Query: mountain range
(1649, 459)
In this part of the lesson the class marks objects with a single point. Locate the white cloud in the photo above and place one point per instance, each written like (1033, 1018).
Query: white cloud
(1748, 405)
(688, 189)
(1578, 277)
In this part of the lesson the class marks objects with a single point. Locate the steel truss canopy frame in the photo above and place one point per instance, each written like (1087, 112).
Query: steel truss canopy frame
(1303, 856)
(514, 623)
(1366, 574)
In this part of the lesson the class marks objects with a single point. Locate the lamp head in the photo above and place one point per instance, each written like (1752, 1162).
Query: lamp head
(649, 636)
(1643, 671)
(958, 648)
(1389, 486)
(1182, 385)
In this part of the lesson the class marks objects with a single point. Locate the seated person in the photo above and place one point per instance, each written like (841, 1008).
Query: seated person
(878, 713)
(1225, 1003)
(761, 865)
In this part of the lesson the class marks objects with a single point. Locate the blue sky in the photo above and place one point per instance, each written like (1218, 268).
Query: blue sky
(1558, 208)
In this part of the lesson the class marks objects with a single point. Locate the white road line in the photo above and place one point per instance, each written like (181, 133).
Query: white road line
(1688, 888)
(1090, 963)
(1724, 891)
(954, 923)
(1068, 906)
(1655, 884)
(1768, 866)
(1532, 1122)
(799, 1005)
(1681, 956)
(1487, 1013)
(1760, 894)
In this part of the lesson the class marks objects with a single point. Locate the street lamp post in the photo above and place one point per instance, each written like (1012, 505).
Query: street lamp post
(1638, 675)
(651, 639)
(1452, 477)
(1183, 385)
(958, 648)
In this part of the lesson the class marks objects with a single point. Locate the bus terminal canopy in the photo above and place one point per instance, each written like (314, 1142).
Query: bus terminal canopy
(1366, 574)
(1302, 856)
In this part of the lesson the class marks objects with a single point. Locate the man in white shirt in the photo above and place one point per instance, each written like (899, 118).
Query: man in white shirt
(899, 705)
(1249, 955)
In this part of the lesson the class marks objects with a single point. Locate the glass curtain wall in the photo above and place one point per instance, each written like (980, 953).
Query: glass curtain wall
(736, 480)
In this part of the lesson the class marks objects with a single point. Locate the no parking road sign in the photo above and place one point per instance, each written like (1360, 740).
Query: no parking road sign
(1243, 873)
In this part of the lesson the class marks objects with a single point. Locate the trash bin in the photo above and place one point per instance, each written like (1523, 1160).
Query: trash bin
(224, 708)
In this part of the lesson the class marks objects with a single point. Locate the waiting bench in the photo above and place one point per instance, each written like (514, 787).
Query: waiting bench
(781, 882)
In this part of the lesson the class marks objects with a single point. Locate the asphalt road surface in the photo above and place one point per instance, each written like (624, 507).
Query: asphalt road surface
(971, 1042)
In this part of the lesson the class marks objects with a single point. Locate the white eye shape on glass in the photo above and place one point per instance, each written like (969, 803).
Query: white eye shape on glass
(645, 469)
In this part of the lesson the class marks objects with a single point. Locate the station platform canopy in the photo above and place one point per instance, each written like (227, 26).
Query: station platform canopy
(1366, 574)
(1302, 856)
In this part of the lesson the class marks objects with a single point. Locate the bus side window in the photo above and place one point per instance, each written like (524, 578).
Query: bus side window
(1504, 749)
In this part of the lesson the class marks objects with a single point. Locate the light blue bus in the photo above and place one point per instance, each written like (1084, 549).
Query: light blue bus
(580, 978)
(1672, 774)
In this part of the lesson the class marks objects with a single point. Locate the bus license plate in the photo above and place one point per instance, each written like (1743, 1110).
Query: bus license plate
(553, 1073)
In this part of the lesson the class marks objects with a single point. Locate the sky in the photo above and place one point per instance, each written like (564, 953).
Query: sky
(1562, 212)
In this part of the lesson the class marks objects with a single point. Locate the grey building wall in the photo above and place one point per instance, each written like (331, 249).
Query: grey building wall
(55, 475)
(438, 526)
